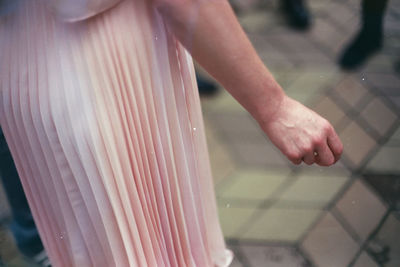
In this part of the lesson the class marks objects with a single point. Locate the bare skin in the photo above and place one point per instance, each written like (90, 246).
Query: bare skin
(211, 33)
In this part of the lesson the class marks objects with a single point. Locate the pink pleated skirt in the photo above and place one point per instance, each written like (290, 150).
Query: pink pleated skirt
(104, 123)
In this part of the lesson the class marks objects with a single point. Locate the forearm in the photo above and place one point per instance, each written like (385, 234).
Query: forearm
(212, 34)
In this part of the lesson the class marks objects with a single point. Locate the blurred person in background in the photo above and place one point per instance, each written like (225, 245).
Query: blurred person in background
(22, 225)
(297, 13)
(369, 38)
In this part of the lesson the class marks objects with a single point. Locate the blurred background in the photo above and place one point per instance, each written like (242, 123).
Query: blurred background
(340, 60)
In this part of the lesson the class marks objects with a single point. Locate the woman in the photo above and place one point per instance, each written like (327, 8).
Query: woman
(103, 120)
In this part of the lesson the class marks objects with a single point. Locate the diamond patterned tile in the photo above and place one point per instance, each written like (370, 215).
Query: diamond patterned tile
(281, 225)
(252, 135)
(357, 143)
(233, 122)
(365, 261)
(221, 163)
(351, 90)
(257, 21)
(256, 185)
(212, 139)
(221, 102)
(361, 208)
(236, 263)
(273, 256)
(386, 82)
(308, 84)
(314, 188)
(343, 15)
(394, 140)
(258, 155)
(386, 160)
(329, 110)
(396, 102)
(233, 218)
(379, 63)
(379, 116)
(328, 244)
(390, 235)
(326, 34)
(4, 207)
(8, 249)
(284, 77)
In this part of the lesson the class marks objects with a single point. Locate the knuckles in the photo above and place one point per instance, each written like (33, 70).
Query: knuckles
(294, 156)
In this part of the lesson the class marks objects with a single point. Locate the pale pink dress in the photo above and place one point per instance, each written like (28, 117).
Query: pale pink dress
(103, 120)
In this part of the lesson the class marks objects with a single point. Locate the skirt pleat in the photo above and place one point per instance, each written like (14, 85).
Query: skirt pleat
(104, 123)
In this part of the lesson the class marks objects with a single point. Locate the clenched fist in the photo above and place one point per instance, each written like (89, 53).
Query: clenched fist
(302, 135)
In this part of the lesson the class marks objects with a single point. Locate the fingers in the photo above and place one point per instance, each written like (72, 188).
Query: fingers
(324, 155)
(335, 145)
(309, 158)
(323, 151)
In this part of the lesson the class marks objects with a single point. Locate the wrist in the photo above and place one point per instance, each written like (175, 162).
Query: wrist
(268, 106)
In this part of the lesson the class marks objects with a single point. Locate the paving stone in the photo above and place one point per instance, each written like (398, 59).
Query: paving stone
(222, 102)
(390, 235)
(392, 43)
(233, 218)
(284, 225)
(273, 256)
(211, 137)
(351, 90)
(343, 17)
(309, 84)
(386, 82)
(328, 109)
(284, 77)
(386, 160)
(4, 207)
(328, 244)
(221, 163)
(236, 263)
(314, 58)
(314, 188)
(361, 208)
(256, 185)
(379, 63)
(253, 135)
(292, 42)
(252, 155)
(357, 143)
(379, 116)
(8, 249)
(243, 6)
(394, 140)
(365, 261)
(387, 187)
(228, 122)
(327, 34)
(316, 6)
(256, 21)
(396, 101)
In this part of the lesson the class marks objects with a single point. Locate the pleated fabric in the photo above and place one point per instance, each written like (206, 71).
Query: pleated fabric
(104, 123)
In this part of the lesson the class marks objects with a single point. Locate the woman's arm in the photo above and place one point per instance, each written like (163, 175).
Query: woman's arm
(212, 34)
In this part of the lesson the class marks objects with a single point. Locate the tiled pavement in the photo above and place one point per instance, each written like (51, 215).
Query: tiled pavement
(275, 214)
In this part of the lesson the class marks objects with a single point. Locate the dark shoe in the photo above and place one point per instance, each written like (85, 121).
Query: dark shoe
(360, 49)
(397, 70)
(206, 87)
(297, 14)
